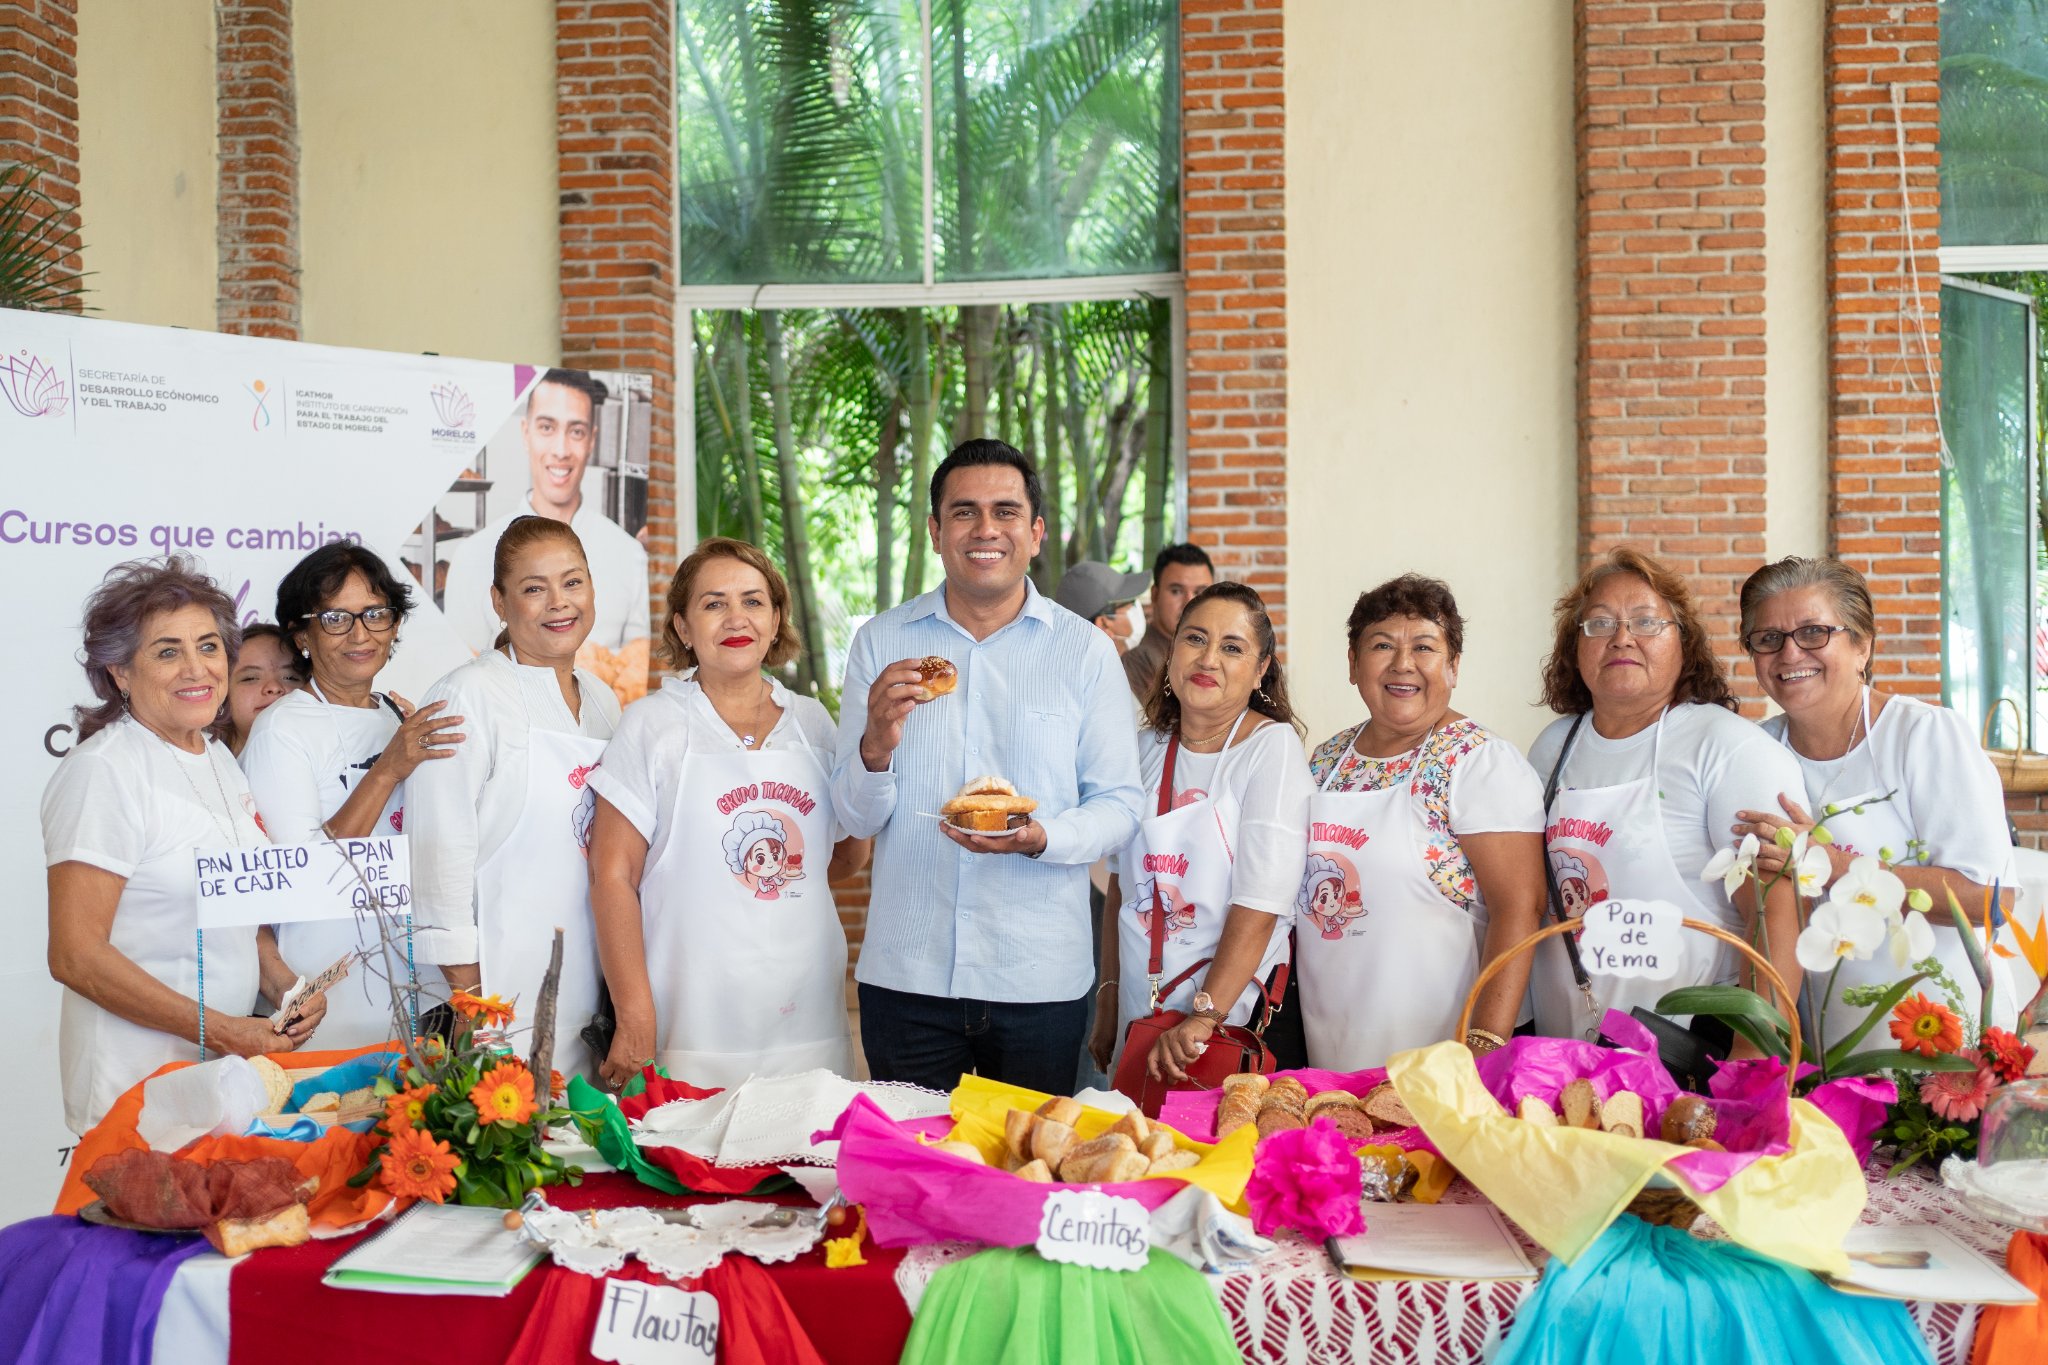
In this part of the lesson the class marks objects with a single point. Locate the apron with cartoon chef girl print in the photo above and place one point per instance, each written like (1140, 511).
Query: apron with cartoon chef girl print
(745, 953)
(1385, 959)
(1607, 843)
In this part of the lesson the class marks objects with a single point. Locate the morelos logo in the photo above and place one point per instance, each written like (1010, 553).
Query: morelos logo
(33, 389)
(260, 418)
(456, 413)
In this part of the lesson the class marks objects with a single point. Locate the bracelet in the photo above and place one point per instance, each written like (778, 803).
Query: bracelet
(1483, 1041)
(1210, 1017)
(1103, 987)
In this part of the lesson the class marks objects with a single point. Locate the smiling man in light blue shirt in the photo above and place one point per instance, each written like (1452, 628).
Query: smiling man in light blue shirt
(978, 954)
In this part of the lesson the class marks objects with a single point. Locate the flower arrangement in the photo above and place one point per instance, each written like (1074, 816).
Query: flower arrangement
(467, 1120)
(1944, 1060)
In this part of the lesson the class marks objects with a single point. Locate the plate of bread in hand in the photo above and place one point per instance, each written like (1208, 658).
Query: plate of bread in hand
(988, 806)
(1275, 1105)
(1043, 1146)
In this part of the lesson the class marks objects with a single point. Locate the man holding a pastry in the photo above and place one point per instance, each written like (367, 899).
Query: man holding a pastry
(985, 740)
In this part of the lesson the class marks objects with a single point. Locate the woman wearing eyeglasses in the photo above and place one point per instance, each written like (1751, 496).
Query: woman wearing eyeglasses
(1644, 774)
(1890, 775)
(331, 761)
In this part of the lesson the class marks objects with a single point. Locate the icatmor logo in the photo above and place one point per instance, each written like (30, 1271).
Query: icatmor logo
(34, 389)
(456, 413)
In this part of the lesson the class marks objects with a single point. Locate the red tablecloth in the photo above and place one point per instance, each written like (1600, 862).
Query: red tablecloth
(794, 1313)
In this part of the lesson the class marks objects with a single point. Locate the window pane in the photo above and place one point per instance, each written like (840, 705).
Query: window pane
(1056, 137)
(1987, 557)
(871, 399)
(1994, 122)
(799, 141)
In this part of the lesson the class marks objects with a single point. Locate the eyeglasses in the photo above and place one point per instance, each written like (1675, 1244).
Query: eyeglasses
(1806, 637)
(1643, 627)
(335, 621)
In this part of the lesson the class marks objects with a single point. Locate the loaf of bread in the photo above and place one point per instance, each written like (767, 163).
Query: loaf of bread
(277, 1087)
(1157, 1144)
(1534, 1109)
(1325, 1101)
(966, 1151)
(1355, 1124)
(1035, 1170)
(1134, 1126)
(1578, 1105)
(1622, 1114)
(1287, 1092)
(1100, 1159)
(1017, 1126)
(1173, 1161)
(1061, 1110)
(1238, 1108)
(1245, 1080)
(1388, 1113)
(285, 1228)
(1687, 1119)
(1051, 1140)
(1277, 1118)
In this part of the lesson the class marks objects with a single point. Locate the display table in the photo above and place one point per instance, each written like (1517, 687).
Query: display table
(1293, 1307)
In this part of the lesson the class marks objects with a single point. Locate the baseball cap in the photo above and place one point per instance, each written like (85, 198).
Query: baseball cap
(1091, 588)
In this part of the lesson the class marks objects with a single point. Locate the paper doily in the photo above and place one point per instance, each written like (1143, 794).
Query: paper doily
(683, 1244)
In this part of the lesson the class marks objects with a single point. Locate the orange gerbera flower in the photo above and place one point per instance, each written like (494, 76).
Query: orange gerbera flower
(1920, 1025)
(404, 1109)
(415, 1166)
(488, 1008)
(504, 1095)
(557, 1087)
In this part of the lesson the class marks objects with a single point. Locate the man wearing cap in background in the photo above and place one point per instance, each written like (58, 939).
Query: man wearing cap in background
(1178, 573)
(1093, 590)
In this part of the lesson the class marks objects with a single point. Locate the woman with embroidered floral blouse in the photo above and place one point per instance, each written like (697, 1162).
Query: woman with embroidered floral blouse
(1425, 848)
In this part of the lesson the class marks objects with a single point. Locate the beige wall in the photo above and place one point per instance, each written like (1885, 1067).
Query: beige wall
(427, 176)
(1431, 332)
(1795, 281)
(146, 203)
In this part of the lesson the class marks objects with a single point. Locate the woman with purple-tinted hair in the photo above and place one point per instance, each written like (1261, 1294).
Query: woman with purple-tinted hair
(145, 786)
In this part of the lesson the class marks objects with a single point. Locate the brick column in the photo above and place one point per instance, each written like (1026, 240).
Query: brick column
(1671, 291)
(1884, 325)
(616, 116)
(258, 231)
(1234, 245)
(39, 104)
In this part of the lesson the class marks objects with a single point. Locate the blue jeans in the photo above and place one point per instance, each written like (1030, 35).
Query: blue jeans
(931, 1041)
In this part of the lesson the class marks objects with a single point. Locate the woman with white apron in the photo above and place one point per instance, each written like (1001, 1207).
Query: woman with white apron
(715, 847)
(501, 832)
(1646, 767)
(1890, 776)
(1425, 852)
(1217, 861)
(331, 762)
(144, 787)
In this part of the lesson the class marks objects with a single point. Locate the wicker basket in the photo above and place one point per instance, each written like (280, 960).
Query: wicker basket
(2019, 770)
(1666, 1206)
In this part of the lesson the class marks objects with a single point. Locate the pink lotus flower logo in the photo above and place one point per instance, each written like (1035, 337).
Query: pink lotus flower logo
(453, 407)
(33, 389)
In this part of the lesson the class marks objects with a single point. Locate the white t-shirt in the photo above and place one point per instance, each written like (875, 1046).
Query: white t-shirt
(130, 803)
(618, 578)
(1947, 792)
(1268, 776)
(460, 810)
(1713, 764)
(305, 756)
(645, 759)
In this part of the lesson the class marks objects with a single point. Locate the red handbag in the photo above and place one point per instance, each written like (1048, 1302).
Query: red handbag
(1232, 1048)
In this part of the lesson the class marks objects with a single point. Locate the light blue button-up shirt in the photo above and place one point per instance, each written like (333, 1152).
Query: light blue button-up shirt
(1043, 702)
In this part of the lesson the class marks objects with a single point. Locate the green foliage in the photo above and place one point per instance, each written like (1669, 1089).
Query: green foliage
(31, 237)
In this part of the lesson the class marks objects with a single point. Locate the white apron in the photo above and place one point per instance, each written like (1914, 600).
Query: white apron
(1879, 828)
(745, 953)
(1607, 843)
(359, 1005)
(538, 880)
(1187, 854)
(1378, 978)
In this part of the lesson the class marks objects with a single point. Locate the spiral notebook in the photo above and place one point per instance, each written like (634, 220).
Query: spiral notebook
(438, 1249)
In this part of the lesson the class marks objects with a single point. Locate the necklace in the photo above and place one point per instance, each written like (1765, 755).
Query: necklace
(750, 734)
(1193, 742)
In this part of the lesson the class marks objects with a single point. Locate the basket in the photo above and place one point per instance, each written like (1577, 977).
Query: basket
(2019, 769)
(1666, 1206)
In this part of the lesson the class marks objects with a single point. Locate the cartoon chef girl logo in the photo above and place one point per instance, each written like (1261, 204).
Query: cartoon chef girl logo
(1329, 897)
(1180, 912)
(1581, 881)
(762, 855)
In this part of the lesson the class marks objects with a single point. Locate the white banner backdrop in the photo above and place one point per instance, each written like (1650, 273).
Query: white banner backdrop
(122, 441)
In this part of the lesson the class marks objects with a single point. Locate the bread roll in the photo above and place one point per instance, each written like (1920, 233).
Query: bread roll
(1535, 1109)
(1276, 1118)
(1084, 1154)
(1389, 1114)
(1134, 1126)
(1175, 1160)
(1103, 1159)
(1035, 1170)
(1017, 1126)
(1239, 1107)
(1687, 1119)
(1327, 1100)
(966, 1151)
(235, 1236)
(1157, 1144)
(1061, 1110)
(1622, 1114)
(937, 677)
(1245, 1080)
(1578, 1105)
(1287, 1091)
(1050, 1141)
(1124, 1166)
(1355, 1124)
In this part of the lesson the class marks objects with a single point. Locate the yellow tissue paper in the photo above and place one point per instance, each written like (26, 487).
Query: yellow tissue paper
(1563, 1186)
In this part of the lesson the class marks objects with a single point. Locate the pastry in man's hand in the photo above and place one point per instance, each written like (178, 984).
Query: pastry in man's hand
(988, 805)
(938, 675)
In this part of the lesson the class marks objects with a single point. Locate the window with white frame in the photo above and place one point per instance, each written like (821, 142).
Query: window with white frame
(907, 222)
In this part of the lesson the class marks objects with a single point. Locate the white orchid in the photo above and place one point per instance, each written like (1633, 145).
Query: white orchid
(1811, 867)
(1731, 865)
(1837, 930)
(1912, 938)
(1867, 884)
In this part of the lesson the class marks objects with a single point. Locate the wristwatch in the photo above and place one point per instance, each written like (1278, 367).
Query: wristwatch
(1205, 1009)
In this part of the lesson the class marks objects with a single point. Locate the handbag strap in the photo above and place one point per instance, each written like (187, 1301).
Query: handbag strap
(1557, 915)
(1158, 931)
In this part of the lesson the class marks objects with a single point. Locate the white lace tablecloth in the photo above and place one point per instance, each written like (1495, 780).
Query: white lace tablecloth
(1293, 1308)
